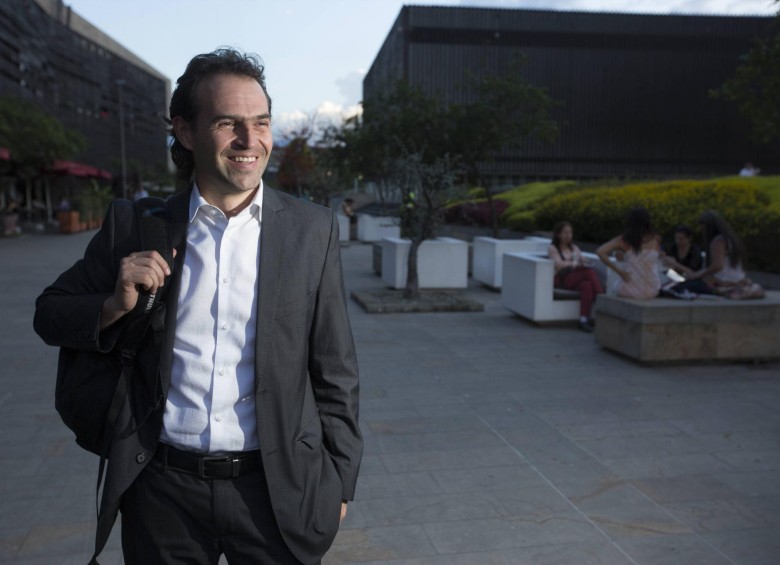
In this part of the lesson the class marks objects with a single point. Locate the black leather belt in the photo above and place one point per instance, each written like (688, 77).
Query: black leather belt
(227, 466)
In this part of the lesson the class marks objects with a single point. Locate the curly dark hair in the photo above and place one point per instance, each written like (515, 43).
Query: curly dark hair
(684, 229)
(638, 227)
(714, 225)
(184, 100)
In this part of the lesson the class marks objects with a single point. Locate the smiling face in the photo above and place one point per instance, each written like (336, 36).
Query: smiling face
(230, 138)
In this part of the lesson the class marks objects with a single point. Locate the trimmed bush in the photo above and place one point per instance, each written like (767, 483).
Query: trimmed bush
(523, 200)
(474, 213)
(598, 214)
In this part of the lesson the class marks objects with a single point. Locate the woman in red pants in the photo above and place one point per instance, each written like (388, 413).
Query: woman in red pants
(572, 272)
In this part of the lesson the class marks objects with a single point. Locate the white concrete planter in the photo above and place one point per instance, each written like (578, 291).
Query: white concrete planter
(488, 265)
(528, 287)
(343, 227)
(441, 262)
(376, 228)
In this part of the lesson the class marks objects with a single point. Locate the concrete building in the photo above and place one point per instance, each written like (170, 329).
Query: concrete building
(53, 57)
(635, 89)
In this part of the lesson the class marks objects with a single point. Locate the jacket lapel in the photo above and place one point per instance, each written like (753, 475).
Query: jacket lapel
(272, 240)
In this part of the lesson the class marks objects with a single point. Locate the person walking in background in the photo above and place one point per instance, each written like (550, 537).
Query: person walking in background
(749, 171)
(640, 247)
(572, 272)
(140, 192)
(347, 209)
(683, 255)
(250, 446)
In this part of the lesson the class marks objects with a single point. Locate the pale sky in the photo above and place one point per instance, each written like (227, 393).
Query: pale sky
(316, 52)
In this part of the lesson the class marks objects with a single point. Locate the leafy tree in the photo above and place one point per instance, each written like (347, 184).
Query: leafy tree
(395, 123)
(403, 139)
(507, 112)
(409, 140)
(308, 166)
(296, 164)
(755, 87)
(34, 138)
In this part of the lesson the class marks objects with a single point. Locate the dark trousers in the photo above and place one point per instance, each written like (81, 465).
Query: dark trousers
(694, 285)
(172, 517)
(586, 281)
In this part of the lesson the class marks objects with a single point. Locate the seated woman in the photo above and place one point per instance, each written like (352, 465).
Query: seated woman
(683, 256)
(573, 273)
(640, 248)
(725, 274)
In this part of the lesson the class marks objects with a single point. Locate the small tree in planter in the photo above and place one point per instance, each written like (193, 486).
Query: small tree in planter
(101, 198)
(426, 188)
(92, 203)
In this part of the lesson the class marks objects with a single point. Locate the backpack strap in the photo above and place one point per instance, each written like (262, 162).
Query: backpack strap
(153, 223)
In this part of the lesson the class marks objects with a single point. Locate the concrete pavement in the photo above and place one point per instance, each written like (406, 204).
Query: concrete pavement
(488, 441)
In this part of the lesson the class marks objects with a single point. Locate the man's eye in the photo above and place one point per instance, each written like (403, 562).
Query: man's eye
(224, 124)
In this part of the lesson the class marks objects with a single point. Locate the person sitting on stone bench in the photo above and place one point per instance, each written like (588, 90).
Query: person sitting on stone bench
(683, 255)
(725, 274)
(572, 272)
(639, 268)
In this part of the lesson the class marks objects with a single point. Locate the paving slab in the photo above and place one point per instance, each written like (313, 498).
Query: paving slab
(488, 441)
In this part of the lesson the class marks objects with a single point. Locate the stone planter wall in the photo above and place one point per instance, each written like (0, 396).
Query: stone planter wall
(69, 221)
(441, 263)
(343, 227)
(376, 228)
(664, 330)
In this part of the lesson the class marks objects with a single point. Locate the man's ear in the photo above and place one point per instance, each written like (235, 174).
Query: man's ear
(183, 131)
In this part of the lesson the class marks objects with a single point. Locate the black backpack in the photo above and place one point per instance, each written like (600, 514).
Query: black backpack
(92, 386)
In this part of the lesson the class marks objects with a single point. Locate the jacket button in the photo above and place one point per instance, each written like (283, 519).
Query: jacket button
(140, 458)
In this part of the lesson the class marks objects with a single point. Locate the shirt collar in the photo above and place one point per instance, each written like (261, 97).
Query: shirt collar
(197, 202)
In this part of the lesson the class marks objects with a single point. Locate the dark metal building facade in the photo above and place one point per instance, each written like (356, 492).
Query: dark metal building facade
(51, 56)
(634, 88)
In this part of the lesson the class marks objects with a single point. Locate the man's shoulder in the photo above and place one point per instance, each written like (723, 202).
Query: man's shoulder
(299, 206)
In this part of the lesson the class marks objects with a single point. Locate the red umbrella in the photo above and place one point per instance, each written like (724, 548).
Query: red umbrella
(79, 170)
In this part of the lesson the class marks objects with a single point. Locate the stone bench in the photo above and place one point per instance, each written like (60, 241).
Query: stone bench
(528, 288)
(488, 253)
(706, 329)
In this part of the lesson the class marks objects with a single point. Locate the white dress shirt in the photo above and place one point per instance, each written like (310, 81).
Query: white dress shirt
(211, 402)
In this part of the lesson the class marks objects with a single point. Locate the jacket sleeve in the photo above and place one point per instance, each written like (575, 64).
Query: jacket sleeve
(67, 313)
(333, 369)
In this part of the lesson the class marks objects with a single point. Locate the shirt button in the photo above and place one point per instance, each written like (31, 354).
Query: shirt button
(224, 326)
(218, 418)
(222, 372)
(226, 280)
(140, 458)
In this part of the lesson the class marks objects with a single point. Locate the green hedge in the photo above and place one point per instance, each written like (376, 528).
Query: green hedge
(597, 214)
(524, 200)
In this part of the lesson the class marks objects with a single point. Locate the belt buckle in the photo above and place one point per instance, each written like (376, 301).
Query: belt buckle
(234, 467)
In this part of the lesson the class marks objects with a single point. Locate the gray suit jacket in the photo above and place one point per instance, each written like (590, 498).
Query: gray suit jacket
(306, 371)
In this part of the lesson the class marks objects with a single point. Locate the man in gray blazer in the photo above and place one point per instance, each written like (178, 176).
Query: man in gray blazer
(240, 434)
